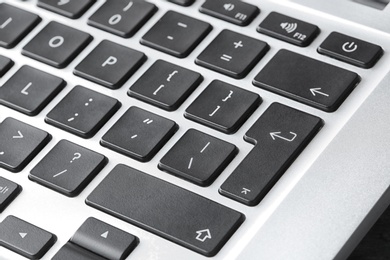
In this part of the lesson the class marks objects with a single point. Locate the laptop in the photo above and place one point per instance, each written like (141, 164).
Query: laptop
(192, 129)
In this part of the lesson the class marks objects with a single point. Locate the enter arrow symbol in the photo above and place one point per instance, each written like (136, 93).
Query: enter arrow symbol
(23, 235)
(316, 91)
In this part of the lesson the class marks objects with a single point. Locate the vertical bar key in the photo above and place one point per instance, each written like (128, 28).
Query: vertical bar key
(279, 135)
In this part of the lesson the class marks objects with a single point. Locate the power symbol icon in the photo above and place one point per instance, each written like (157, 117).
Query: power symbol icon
(350, 47)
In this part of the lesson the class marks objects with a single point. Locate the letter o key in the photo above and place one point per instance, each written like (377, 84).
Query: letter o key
(56, 41)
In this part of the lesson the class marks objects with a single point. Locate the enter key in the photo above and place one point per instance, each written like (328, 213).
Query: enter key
(279, 135)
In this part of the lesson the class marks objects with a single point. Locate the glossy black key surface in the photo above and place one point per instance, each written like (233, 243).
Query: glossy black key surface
(232, 54)
(165, 85)
(279, 136)
(233, 11)
(309, 81)
(83, 111)
(15, 24)
(5, 65)
(288, 29)
(57, 44)
(19, 143)
(104, 239)
(351, 50)
(68, 168)
(29, 90)
(24, 238)
(74, 252)
(69, 8)
(8, 192)
(139, 134)
(166, 210)
(123, 18)
(110, 64)
(176, 34)
(183, 2)
(198, 157)
(223, 106)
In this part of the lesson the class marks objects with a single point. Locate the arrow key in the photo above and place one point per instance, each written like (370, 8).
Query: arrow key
(104, 239)
(24, 238)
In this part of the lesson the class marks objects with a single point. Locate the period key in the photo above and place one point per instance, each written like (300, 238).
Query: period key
(279, 136)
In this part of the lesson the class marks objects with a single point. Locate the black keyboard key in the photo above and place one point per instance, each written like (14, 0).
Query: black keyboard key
(29, 90)
(70, 8)
(24, 238)
(309, 81)
(83, 111)
(176, 34)
(279, 136)
(288, 29)
(233, 11)
(110, 64)
(166, 210)
(223, 106)
(104, 239)
(183, 2)
(351, 50)
(165, 85)
(232, 54)
(139, 134)
(74, 252)
(198, 157)
(19, 143)
(5, 65)
(57, 44)
(68, 168)
(123, 18)
(8, 192)
(15, 24)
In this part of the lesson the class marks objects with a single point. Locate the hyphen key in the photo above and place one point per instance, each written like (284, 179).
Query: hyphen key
(166, 210)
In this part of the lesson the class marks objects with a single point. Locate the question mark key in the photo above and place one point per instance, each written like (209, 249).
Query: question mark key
(68, 168)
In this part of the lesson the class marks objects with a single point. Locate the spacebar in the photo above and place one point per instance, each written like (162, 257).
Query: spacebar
(166, 210)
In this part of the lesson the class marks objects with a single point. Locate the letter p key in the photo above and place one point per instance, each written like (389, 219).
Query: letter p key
(110, 61)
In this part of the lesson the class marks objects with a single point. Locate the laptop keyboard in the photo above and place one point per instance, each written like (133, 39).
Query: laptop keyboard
(200, 156)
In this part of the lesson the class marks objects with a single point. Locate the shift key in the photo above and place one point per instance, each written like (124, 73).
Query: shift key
(166, 210)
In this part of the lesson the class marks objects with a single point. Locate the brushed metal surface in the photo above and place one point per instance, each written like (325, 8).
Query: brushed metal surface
(343, 193)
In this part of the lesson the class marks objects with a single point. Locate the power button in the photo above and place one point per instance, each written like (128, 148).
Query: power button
(351, 50)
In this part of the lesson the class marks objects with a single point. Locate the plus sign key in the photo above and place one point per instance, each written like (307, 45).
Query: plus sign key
(232, 54)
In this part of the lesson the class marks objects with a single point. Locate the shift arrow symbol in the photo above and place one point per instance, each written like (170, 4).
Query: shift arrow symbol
(23, 235)
(203, 235)
(315, 91)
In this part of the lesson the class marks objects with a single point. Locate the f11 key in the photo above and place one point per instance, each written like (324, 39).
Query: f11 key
(279, 135)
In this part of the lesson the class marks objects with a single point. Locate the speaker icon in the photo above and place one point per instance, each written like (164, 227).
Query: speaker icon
(228, 7)
(289, 27)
